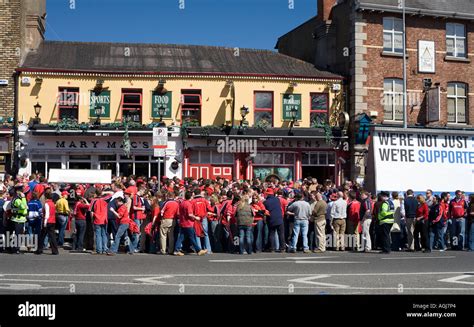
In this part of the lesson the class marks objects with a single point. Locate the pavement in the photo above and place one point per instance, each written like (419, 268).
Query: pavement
(450, 272)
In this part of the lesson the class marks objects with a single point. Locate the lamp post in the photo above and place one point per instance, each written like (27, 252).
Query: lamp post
(293, 115)
(161, 112)
(98, 113)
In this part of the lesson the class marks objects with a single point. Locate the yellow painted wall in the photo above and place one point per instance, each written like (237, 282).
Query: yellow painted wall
(214, 93)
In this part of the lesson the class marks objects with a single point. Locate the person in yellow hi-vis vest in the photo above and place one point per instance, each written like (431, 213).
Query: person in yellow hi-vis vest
(19, 214)
(386, 220)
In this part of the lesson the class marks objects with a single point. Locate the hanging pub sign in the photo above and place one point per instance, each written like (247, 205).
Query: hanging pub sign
(160, 100)
(291, 102)
(100, 99)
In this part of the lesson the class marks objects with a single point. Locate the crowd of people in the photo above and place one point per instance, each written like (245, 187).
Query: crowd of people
(177, 217)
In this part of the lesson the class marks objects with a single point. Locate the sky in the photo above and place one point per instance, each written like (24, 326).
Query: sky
(230, 23)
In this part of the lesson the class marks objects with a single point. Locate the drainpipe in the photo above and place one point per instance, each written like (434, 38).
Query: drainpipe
(15, 160)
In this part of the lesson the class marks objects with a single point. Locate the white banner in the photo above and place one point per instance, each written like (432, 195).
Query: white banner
(89, 176)
(423, 160)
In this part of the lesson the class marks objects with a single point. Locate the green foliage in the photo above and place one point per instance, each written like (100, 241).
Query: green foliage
(263, 124)
(327, 130)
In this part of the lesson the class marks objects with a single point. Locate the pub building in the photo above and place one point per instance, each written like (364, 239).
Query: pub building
(85, 101)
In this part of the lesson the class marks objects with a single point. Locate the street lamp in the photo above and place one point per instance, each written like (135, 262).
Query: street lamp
(243, 112)
(161, 112)
(37, 107)
(293, 115)
(98, 113)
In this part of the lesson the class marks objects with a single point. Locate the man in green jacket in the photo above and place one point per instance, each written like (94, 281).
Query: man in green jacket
(386, 220)
(18, 219)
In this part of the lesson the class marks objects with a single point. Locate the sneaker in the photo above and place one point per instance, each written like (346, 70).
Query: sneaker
(318, 251)
(202, 252)
(179, 254)
(442, 250)
(110, 254)
(306, 251)
(292, 251)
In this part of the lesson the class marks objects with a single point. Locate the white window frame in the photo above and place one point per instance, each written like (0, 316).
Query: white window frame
(392, 32)
(455, 38)
(393, 96)
(456, 97)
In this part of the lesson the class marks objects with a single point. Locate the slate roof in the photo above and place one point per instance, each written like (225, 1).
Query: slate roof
(463, 9)
(165, 58)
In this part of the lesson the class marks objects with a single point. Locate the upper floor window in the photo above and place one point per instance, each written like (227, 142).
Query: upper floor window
(392, 35)
(263, 107)
(393, 99)
(457, 103)
(456, 40)
(191, 104)
(68, 103)
(132, 105)
(319, 108)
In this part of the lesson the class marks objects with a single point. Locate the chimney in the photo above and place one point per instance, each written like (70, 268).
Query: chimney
(324, 8)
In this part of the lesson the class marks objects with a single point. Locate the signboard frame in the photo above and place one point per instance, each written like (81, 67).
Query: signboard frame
(285, 114)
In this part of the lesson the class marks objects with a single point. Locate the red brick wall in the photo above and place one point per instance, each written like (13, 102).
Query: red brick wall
(324, 8)
(380, 67)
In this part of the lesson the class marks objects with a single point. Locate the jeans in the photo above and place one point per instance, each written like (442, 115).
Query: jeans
(122, 231)
(215, 235)
(136, 238)
(33, 227)
(19, 229)
(100, 238)
(436, 234)
(258, 236)
(471, 237)
(207, 243)
(80, 232)
(245, 238)
(112, 229)
(280, 229)
(458, 231)
(187, 233)
(62, 222)
(303, 225)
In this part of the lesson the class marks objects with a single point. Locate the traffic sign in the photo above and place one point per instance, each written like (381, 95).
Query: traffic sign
(160, 141)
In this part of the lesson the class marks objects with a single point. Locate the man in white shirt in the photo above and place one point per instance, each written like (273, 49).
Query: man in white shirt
(338, 220)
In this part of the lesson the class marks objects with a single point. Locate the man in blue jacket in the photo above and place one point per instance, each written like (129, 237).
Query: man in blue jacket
(274, 220)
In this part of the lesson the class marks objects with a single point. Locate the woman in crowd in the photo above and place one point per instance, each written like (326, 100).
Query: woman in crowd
(421, 225)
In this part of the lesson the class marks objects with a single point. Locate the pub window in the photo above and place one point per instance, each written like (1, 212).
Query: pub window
(132, 105)
(393, 99)
(457, 103)
(319, 108)
(191, 104)
(263, 107)
(68, 103)
(456, 40)
(392, 35)
(108, 162)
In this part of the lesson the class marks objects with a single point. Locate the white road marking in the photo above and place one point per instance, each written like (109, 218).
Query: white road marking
(244, 275)
(310, 280)
(411, 258)
(26, 287)
(458, 280)
(153, 280)
(331, 262)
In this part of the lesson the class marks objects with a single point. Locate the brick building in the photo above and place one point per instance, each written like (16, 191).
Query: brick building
(363, 40)
(21, 30)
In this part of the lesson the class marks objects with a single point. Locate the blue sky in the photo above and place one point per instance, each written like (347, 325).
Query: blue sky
(232, 23)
